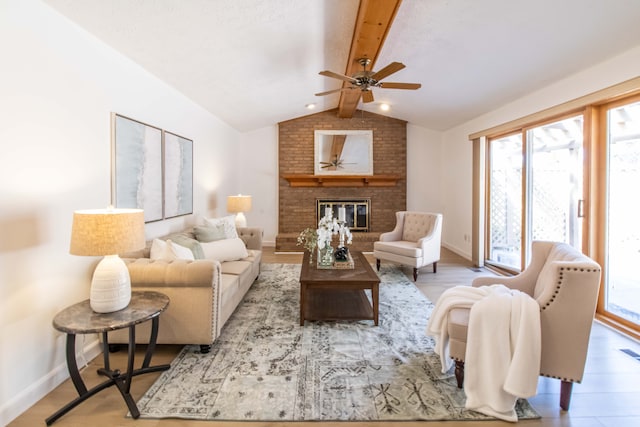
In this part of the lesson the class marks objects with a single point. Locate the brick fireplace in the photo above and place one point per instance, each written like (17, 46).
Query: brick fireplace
(299, 198)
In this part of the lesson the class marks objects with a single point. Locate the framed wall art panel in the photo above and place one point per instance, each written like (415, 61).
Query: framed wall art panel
(137, 166)
(178, 175)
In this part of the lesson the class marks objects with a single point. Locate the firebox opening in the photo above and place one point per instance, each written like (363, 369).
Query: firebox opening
(356, 211)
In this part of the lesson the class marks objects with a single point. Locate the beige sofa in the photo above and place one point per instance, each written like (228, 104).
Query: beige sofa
(203, 293)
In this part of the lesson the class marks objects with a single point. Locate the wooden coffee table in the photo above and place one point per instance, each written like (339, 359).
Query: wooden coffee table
(338, 294)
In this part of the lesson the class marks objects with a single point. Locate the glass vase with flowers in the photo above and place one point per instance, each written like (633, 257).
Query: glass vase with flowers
(328, 226)
(308, 238)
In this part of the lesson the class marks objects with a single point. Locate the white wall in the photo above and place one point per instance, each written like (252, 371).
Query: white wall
(257, 175)
(457, 150)
(58, 86)
(424, 169)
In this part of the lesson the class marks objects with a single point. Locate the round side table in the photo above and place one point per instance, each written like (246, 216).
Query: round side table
(81, 319)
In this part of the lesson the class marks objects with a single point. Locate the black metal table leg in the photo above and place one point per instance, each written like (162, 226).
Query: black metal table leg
(153, 337)
(105, 351)
(74, 373)
(130, 359)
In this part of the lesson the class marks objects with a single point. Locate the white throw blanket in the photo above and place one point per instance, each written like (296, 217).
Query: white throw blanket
(502, 359)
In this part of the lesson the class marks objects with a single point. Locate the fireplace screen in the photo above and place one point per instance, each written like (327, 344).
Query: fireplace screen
(356, 211)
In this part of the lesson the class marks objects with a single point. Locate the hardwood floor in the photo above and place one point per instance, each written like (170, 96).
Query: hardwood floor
(608, 396)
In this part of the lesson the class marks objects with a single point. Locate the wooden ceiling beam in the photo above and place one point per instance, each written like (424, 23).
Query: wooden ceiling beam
(372, 26)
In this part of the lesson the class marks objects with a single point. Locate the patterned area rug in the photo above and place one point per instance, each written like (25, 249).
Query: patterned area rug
(266, 367)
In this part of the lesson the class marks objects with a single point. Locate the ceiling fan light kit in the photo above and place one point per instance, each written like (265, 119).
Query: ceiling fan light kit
(365, 80)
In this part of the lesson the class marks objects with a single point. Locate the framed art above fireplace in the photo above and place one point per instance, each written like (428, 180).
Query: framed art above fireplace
(343, 152)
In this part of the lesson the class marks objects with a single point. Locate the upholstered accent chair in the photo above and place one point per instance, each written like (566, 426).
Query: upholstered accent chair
(415, 241)
(565, 284)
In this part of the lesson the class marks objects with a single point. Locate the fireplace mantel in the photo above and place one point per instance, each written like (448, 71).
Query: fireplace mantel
(298, 180)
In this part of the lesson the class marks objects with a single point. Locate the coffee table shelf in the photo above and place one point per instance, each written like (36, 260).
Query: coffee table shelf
(339, 294)
(328, 304)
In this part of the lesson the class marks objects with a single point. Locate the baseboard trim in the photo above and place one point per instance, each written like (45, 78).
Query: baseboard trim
(458, 251)
(12, 409)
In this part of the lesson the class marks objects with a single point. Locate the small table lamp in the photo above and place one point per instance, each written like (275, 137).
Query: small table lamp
(108, 232)
(239, 204)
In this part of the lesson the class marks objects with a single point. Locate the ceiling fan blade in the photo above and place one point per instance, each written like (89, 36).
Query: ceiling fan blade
(328, 73)
(412, 86)
(367, 96)
(388, 70)
(329, 92)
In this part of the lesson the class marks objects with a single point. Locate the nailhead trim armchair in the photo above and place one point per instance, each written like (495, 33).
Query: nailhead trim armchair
(565, 283)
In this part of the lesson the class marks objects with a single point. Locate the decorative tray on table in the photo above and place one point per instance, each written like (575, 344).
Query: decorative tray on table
(344, 263)
(337, 264)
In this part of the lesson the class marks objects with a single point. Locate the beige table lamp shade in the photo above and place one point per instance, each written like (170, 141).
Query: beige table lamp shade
(108, 232)
(238, 205)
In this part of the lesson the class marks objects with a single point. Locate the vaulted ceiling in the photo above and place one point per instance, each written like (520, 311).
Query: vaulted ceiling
(254, 63)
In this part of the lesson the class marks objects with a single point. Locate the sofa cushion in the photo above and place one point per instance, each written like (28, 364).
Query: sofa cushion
(228, 287)
(235, 267)
(225, 250)
(226, 223)
(458, 323)
(402, 248)
(253, 255)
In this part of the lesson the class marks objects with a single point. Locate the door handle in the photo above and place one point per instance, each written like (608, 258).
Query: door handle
(581, 208)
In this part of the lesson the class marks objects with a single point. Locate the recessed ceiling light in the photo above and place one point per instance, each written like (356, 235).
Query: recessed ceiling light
(310, 106)
(384, 107)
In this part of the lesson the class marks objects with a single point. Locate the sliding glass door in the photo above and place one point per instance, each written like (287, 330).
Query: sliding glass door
(535, 190)
(540, 185)
(555, 190)
(622, 235)
(505, 196)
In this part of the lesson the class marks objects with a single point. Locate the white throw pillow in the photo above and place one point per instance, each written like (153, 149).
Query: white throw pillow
(227, 223)
(169, 251)
(179, 252)
(158, 248)
(225, 250)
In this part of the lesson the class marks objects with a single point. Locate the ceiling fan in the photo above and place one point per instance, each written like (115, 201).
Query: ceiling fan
(336, 163)
(366, 80)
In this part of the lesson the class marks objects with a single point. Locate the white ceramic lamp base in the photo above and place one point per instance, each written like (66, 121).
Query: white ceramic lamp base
(110, 286)
(241, 221)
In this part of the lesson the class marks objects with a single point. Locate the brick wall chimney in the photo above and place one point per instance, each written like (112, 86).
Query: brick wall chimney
(297, 205)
